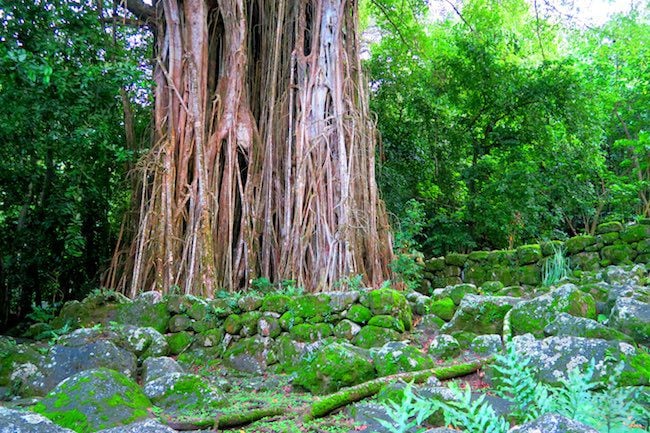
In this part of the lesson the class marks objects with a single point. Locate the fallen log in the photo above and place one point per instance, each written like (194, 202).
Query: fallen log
(223, 421)
(329, 403)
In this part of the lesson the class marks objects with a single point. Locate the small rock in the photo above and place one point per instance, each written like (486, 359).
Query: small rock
(553, 423)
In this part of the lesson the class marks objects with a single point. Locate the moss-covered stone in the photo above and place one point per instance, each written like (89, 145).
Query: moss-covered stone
(391, 302)
(501, 257)
(608, 238)
(530, 275)
(233, 324)
(434, 264)
(452, 271)
(568, 325)
(491, 287)
(578, 244)
(534, 315)
(398, 357)
(443, 308)
(386, 321)
(181, 393)
(333, 367)
(477, 274)
(638, 368)
(251, 355)
(209, 338)
(289, 319)
(618, 254)
(527, 254)
(250, 302)
(179, 322)
(179, 342)
(508, 275)
(276, 303)
(93, 400)
(222, 307)
(359, 314)
(444, 347)
(310, 306)
(632, 317)
(610, 227)
(480, 314)
(144, 314)
(346, 329)
(288, 352)
(457, 292)
(199, 310)
(178, 304)
(585, 261)
(269, 326)
(635, 233)
(249, 321)
(308, 332)
(478, 256)
(456, 259)
(374, 336)
(643, 247)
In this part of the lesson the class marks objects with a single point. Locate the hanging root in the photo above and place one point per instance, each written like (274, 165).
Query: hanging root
(355, 393)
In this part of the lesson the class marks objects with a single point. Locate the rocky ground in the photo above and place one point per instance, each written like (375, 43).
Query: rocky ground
(177, 374)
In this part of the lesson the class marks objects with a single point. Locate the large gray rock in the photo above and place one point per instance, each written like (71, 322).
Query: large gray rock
(95, 399)
(179, 392)
(481, 314)
(251, 354)
(554, 357)
(65, 361)
(632, 317)
(568, 325)
(21, 368)
(143, 342)
(18, 421)
(146, 426)
(154, 368)
(553, 423)
(534, 315)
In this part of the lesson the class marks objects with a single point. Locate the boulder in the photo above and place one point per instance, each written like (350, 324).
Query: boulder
(359, 314)
(534, 315)
(18, 421)
(553, 423)
(389, 302)
(554, 357)
(154, 368)
(568, 325)
(485, 345)
(399, 357)
(444, 347)
(632, 317)
(21, 368)
(334, 366)
(181, 392)
(143, 342)
(481, 314)
(374, 336)
(93, 400)
(142, 313)
(252, 355)
(346, 329)
(456, 293)
(179, 342)
(443, 308)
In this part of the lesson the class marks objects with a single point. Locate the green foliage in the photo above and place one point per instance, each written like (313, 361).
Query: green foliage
(408, 414)
(555, 268)
(473, 416)
(409, 261)
(515, 381)
(63, 153)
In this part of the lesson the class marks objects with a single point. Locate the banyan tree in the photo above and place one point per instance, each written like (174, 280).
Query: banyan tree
(262, 159)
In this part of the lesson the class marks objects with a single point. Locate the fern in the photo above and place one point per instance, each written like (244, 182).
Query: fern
(516, 383)
(409, 413)
(575, 398)
(476, 416)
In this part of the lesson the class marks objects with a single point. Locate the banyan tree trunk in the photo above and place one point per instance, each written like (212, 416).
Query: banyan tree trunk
(263, 162)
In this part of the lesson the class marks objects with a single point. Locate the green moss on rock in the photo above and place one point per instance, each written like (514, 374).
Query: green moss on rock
(310, 306)
(333, 367)
(307, 332)
(179, 342)
(398, 357)
(289, 319)
(374, 336)
(527, 254)
(456, 259)
(94, 400)
(389, 302)
(443, 308)
(249, 323)
(385, 321)
(233, 324)
(635, 233)
(610, 227)
(578, 244)
(618, 254)
(276, 303)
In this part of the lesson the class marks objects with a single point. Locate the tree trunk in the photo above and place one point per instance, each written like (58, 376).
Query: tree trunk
(263, 162)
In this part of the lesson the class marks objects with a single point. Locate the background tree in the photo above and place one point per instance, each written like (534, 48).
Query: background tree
(63, 152)
(263, 162)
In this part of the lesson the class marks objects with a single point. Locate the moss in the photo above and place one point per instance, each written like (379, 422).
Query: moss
(434, 265)
(527, 254)
(608, 238)
(309, 333)
(199, 310)
(501, 257)
(249, 323)
(289, 319)
(588, 261)
(346, 329)
(374, 336)
(530, 275)
(250, 302)
(72, 419)
(385, 321)
(276, 303)
(577, 244)
(233, 324)
(610, 227)
(403, 358)
(549, 248)
(179, 322)
(179, 342)
(635, 233)
(639, 369)
(143, 314)
(618, 254)
(456, 259)
(478, 256)
(582, 304)
(359, 314)
(309, 306)
(458, 292)
(443, 308)
(491, 287)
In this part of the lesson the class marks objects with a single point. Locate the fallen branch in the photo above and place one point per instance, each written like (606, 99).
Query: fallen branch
(223, 421)
(346, 396)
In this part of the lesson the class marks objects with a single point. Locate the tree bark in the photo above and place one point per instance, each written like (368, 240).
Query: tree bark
(263, 163)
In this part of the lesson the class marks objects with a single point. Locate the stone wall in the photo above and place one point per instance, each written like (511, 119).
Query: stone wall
(613, 244)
